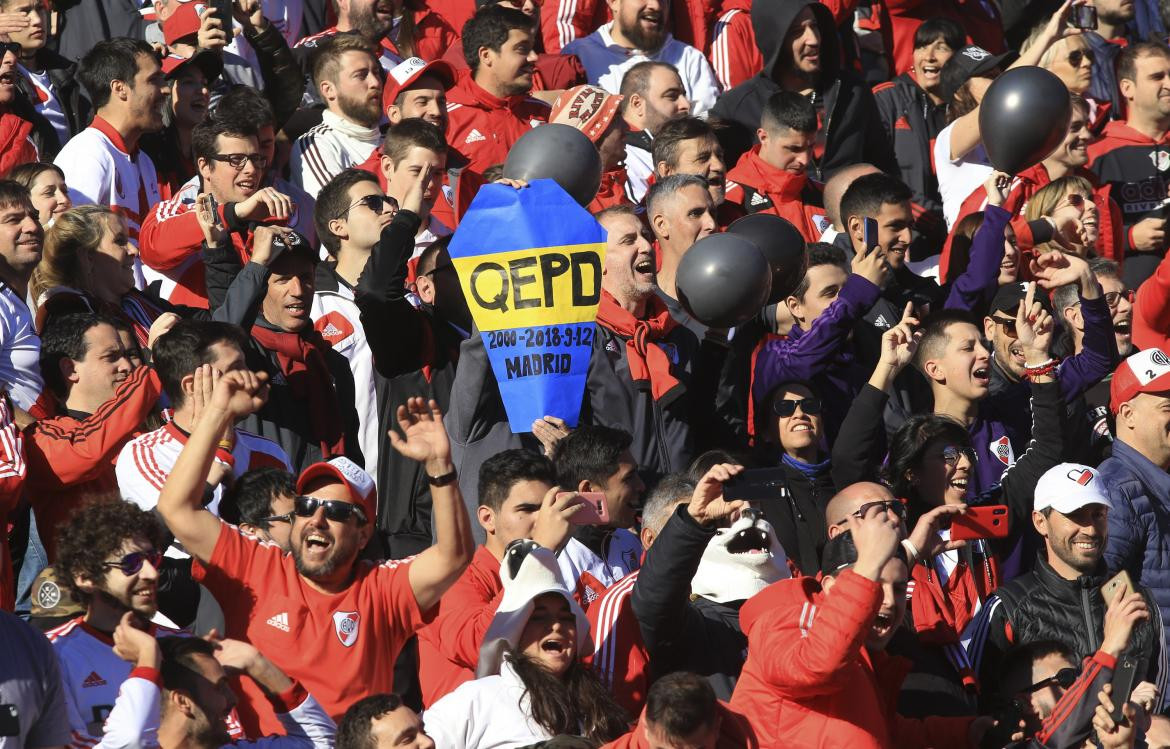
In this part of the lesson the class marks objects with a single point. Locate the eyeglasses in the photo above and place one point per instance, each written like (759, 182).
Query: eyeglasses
(1113, 298)
(951, 455)
(1075, 199)
(786, 408)
(1064, 678)
(285, 518)
(1008, 325)
(237, 160)
(1077, 56)
(896, 506)
(131, 564)
(376, 203)
(337, 510)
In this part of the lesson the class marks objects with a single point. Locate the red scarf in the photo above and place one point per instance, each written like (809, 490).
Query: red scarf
(302, 362)
(649, 364)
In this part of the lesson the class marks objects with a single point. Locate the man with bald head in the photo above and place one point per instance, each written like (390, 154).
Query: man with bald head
(866, 497)
(833, 192)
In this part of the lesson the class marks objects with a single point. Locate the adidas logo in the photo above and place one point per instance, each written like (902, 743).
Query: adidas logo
(881, 322)
(474, 137)
(759, 199)
(93, 680)
(280, 621)
(331, 331)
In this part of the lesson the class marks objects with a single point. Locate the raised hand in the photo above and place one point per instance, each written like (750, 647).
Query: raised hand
(1034, 327)
(424, 438)
(1054, 269)
(872, 266)
(925, 535)
(250, 13)
(707, 506)
(1126, 609)
(264, 204)
(240, 393)
(550, 430)
(161, 326)
(268, 241)
(135, 646)
(998, 185)
(876, 537)
(413, 199)
(212, 34)
(554, 519)
(209, 224)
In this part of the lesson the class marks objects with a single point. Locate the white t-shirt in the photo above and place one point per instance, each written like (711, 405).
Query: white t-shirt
(48, 103)
(958, 178)
(20, 350)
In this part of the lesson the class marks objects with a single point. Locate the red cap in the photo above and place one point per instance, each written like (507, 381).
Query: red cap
(362, 491)
(210, 63)
(404, 75)
(184, 21)
(587, 108)
(1144, 372)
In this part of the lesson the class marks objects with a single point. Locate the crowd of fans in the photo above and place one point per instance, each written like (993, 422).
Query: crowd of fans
(258, 484)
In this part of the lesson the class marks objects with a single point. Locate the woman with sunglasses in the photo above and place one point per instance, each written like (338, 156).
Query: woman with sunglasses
(1068, 202)
(792, 438)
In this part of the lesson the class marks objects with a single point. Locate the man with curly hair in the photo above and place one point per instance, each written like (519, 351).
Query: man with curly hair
(109, 555)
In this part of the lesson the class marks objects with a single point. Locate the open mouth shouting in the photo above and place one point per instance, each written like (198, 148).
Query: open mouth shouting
(316, 545)
(981, 375)
(749, 541)
(883, 624)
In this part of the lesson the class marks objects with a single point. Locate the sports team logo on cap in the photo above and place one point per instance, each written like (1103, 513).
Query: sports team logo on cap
(1083, 476)
(354, 474)
(1149, 365)
(978, 54)
(48, 594)
(405, 69)
(345, 623)
(1161, 160)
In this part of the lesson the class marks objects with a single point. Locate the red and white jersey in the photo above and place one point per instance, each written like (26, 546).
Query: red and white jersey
(20, 350)
(620, 657)
(593, 575)
(147, 460)
(337, 318)
(734, 54)
(325, 150)
(100, 170)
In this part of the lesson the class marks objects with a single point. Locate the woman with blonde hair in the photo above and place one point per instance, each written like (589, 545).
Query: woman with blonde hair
(46, 186)
(1068, 203)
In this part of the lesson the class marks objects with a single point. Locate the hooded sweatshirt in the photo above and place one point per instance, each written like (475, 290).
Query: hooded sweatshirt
(851, 129)
(762, 188)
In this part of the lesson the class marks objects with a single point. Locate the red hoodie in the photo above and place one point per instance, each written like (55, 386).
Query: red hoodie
(1151, 310)
(734, 733)
(762, 188)
(734, 54)
(810, 682)
(483, 127)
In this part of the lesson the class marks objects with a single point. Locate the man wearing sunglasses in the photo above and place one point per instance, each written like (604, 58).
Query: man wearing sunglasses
(110, 557)
(325, 618)
(1062, 598)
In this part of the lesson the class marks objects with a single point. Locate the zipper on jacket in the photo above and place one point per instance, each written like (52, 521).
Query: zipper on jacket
(1087, 611)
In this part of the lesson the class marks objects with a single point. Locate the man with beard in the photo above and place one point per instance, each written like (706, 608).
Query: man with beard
(490, 109)
(347, 78)
(109, 559)
(102, 164)
(102, 401)
(1060, 599)
(652, 93)
(637, 33)
(687, 145)
(332, 622)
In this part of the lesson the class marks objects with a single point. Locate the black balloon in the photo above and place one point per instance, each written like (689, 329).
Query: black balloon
(723, 280)
(558, 152)
(1023, 116)
(782, 245)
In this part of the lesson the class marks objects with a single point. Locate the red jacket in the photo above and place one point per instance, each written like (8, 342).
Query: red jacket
(483, 127)
(612, 191)
(432, 36)
(1151, 310)
(448, 647)
(620, 657)
(12, 473)
(809, 681)
(734, 733)
(762, 188)
(71, 460)
(15, 146)
(733, 53)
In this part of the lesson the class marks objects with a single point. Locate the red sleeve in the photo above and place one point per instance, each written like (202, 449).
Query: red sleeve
(464, 618)
(562, 21)
(842, 10)
(12, 465)
(393, 579)
(1152, 307)
(734, 54)
(170, 234)
(831, 633)
(435, 37)
(62, 453)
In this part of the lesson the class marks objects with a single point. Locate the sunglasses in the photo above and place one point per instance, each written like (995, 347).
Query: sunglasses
(896, 506)
(1064, 678)
(1075, 199)
(1008, 325)
(286, 518)
(237, 160)
(131, 564)
(786, 408)
(951, 455)
(1113, 298)
(1077, 56)
(337, 510)
(376, 203)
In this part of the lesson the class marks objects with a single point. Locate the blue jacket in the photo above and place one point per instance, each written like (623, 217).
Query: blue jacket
(1139, 521)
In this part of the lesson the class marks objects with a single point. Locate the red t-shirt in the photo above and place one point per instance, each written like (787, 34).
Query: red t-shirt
(340, 647)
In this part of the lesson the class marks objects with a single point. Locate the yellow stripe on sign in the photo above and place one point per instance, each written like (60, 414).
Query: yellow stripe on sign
(527, 288)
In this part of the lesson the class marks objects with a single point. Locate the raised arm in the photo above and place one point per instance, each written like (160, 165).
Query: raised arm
(180, 503)
(975, 286)
(424, 439)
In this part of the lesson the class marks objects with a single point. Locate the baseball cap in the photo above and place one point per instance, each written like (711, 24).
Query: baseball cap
(587, 108)
(210, 63)
(967, 63)
(360, 486)
(52, 601)
(184, 21)
(404, 75)
(1008, 297)
(1144, 372)
(1068, 487)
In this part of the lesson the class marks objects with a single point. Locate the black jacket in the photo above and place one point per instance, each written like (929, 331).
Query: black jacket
(681, 634)
(852, 129)
(83, 23)
(912, 122)
(63, 77)
(798, 516)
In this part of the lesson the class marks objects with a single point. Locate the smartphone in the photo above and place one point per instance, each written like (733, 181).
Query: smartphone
(1119, 584)
(990, 521)
(755, 485)
(223, 11)
(1124, 677)
(1083, 17)
(593, 510)
(870, 234)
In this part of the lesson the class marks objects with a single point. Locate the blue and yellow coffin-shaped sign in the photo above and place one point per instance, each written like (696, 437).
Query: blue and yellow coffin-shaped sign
(530, 265)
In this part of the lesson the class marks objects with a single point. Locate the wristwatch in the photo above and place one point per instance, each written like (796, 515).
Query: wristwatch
(443, 480)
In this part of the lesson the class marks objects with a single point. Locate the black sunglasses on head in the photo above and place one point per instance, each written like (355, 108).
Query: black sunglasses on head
(132, 563)
(337, 510)
(786, 408)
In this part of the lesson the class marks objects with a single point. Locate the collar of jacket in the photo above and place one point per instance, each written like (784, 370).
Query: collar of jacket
(485, 99)
(1154, 478)
(352, 129)
(1050, 579)
(761, 176)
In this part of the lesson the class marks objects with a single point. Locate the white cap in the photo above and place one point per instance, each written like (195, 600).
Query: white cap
(1068, 487)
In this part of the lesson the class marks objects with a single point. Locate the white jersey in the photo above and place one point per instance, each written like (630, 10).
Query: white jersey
(606, 63)
(337, 318)
(639, 167)
(591, 574)
(100, 171)
(20, 350)
(147, 460)
(336, 144)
